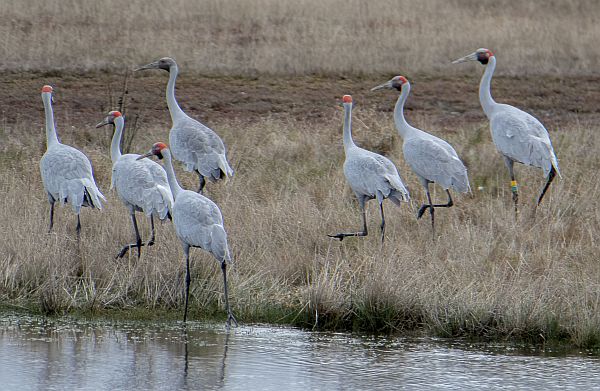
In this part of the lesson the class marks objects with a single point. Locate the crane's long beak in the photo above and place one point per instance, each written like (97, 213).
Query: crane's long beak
(387, 84)
(103, 123)
(470, 57)
(152, 65)
(147, 154)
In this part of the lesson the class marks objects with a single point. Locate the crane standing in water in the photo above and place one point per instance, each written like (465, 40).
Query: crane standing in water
(198, 147)
(369, 175)
(518, 136)
(430, 157)
(198, 223)
(141, 184)
(66, 171)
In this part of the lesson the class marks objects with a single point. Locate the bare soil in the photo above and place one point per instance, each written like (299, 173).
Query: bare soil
(448, 102)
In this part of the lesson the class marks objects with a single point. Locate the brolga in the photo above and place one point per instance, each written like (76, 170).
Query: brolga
(518, 136)
(66, 171)
(430, 157)
(197, 146)
(142, 185)
(198, 223)
(371, 176)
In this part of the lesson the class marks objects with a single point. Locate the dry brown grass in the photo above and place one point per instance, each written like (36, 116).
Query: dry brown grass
(300, 37)
(486, 275)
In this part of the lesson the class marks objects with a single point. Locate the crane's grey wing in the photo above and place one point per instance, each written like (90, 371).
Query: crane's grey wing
(437, 162)
(198, 222)
(523, 138)
(373, 176)
(136, 185)
(67, 176)
(199, 148)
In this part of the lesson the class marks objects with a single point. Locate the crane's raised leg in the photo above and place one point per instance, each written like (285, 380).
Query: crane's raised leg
(342, 235)
(188, 279)
(138, 240)
(551, 176)
(230, 316)
(202, 182)
(431, 207)
(424, 207)
(514, 186)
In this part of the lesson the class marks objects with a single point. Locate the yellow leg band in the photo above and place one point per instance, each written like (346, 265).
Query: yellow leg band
(513, 186)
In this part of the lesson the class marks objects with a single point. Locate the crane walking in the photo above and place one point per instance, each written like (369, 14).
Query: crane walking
(430, 157)
(369, 175)
(141, 184)
(518, 135)
(198, 147)
(66, 171)
(198, 223)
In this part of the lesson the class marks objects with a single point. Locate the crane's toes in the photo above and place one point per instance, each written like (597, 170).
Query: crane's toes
(422, 210)
(337, 236)
(230, 319)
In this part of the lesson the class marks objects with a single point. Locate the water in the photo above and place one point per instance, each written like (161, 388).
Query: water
(41, 354)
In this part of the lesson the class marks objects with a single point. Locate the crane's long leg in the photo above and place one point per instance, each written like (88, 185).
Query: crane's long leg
(514, 187)
(382, 222)
(202, 182)
(51, 212)
(230, 316)
(551, 176)
(188, 279)
(78, 227)
(138, 240)
(424, 207)
(364, 232)
(152, 236)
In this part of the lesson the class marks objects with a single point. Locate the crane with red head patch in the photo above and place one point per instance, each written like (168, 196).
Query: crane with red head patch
(518, 136)
(430, 157)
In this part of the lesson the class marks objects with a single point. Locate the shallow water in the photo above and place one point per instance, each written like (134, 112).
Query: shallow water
(58, 354)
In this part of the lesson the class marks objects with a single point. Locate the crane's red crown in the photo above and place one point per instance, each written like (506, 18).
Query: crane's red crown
(46, 89)
(159, 147)
(347, 99)
(115, 113)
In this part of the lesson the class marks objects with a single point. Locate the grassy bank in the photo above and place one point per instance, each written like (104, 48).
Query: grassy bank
(300, 37)
(487, 275)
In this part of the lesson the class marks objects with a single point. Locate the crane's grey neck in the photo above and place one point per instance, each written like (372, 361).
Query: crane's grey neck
(401, 125)
(51, 137)
(348, 142)
(485, 93)
(115, 146)
(174, 108)
(173, 184)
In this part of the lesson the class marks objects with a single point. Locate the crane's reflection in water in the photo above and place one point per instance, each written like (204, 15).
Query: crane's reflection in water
(40, 353)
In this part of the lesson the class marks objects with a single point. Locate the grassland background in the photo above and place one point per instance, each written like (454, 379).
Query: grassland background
(277, 71)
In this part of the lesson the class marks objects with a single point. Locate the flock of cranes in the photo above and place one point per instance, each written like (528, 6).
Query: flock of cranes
(145, 186)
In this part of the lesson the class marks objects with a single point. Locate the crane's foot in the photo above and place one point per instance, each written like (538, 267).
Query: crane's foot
(343, 235)
(128, 247)
(231, 319)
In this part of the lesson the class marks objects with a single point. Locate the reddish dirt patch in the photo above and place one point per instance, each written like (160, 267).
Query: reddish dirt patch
(447, 101)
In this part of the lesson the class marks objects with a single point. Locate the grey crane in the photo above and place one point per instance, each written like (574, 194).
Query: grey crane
(198, 223)
(197, 146)
(430, 157)
(518, 135)
(141, 184)
(66, 171)
(369, 175)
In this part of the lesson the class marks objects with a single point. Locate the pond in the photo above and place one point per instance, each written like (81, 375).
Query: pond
(38, 353)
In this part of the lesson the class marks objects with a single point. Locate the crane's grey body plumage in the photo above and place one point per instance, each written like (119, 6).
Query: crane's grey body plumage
(67, 177)
(518, 136)
(432, 159)
(66, 172)
(370, 176)
(198, 223)
(197, 146)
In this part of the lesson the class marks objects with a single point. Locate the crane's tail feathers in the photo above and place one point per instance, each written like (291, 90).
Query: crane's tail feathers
(218, 243)
(81, 192)
(397, 197)
(158, 201)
